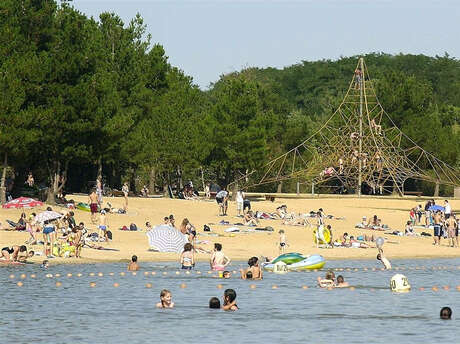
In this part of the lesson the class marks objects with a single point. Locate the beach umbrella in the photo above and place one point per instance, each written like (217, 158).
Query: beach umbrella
(165, 238)
(436, 208)
(47, 216)
(22, 202)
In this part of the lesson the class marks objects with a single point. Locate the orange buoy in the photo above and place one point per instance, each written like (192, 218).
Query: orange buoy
(252, 286)
(69, 275)
(148, 285)
(446, 287)
(458, 288)
(352, 288)
(33, 276)
(183, 285)
(23, 276)
(58, 284)
(116, 285)
(435, 288)
(305, 287)
(111, 273)
(100, 274)
(219, 286)
(57, 275)
(198, 272)
(92, 284)
(20, 284)
(274, 286)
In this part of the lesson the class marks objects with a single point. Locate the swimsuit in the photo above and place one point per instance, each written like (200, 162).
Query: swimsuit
(186, 267)
(282, 244)
(93, 208)
(9, 250)
(218, 267)
(104, 228)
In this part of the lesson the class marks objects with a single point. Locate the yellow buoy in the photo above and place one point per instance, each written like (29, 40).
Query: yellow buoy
(92, 284)
(134, 273)
(165, 273)
(111, 273)
(91, 273)
(79, 274)
(69, 275)
(177, 272)
(305, 287)
(100, 274)
(122, 273)
(11, 276)
(33, 276)
(48, 275)
(23, 276)
(154, 273)
(187, 272)
(274, 286)
(146, 273)
(57, 275)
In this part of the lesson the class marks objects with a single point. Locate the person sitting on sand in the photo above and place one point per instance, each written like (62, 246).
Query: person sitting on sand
(409, 230)
(328, 280)
(253, 269)
(218, 259)
(250, 219)
(187, 258)
(214, 303)
(386, 263)
(172, 221)
(373, 222)
(230, 300)
(281, 212)
(166, 221)
(165, 299)
(341, 282)
(133, 265)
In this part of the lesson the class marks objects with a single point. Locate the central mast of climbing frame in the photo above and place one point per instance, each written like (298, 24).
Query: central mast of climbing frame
(361, 81)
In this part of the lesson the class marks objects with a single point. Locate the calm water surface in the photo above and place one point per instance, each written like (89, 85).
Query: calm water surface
(39, 312)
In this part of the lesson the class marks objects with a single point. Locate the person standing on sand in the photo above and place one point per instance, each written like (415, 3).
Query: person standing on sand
(99, 190)
(103, 226)
(437, 218)
(222, 201)
(452, 231)
(92, 200)
(125, 190)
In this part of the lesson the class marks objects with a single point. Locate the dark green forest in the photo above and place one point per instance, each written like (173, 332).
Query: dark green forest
(82, 97)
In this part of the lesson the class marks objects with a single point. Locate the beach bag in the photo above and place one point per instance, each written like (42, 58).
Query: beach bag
(206, 228)
(132, 227)
(109, 235)
(124, 228)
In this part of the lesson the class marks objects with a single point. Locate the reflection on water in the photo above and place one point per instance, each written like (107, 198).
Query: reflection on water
(40, 312)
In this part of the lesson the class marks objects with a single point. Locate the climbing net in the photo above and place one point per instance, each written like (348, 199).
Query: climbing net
(359, 144)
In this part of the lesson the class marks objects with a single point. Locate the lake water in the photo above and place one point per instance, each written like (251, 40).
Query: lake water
(40, 312)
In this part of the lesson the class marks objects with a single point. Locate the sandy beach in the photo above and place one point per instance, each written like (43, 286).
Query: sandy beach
(241, 246)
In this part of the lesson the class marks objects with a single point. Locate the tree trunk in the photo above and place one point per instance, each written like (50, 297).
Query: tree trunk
(179, 175)
(280, 187)
(54, 180)
(234, 191)
(202, 178)
(99, 167)
(152, 180)
(436, 190)
(3, 182)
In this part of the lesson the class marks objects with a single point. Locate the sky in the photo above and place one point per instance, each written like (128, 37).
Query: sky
(209, 38)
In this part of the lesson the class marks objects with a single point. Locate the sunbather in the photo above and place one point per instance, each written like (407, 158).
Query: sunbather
(250, 219)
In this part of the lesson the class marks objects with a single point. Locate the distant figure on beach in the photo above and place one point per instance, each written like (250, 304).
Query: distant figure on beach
(99, 190)
(446, 313)
(437, 219)
(218, 259)
(125, 190)
(207, 191)
(133, 265)
(447, 209)
(103, 226)
(282, 243)
(165, 299)
(452, 231)
(145, 191)
(222, 201)
(386, 263)
(93, 205)
(239, 203)
(30, 180)
(172, 221)
(230, 300)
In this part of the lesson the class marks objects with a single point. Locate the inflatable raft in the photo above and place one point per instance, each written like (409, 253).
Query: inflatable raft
(298, 262)
(85, 207)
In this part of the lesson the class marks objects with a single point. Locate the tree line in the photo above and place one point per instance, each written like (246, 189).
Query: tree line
(81, 97)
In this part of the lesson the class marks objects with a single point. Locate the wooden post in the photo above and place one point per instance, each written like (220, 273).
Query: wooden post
(457, 192)
(298, 188)
(312, 188)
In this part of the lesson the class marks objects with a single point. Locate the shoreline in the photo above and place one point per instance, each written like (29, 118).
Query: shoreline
(241, 246)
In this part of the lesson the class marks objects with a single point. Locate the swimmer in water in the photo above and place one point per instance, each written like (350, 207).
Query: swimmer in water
(328, 281)
(386, 263)
(165, 299)
(133, 266)
(214, 303)
(45, 264)
(226, 274)
(230, 300)
(254, 269)
(446, 313)
(341, 282)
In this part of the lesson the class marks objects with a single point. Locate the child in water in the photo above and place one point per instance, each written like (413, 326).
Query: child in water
(226, 274)
(282, 241)
(328, 280)
(214, 303)
(230, 300)
(187, 258)
(165, 299)
(341, 282)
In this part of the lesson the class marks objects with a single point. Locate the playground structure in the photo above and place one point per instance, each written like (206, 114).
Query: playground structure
(359, 145)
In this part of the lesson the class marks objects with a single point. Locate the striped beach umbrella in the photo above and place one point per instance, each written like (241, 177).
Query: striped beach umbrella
(165, 238)
(22, 202)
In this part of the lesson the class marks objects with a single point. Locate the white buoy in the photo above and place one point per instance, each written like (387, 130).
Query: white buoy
(280, 268)
(399, 283)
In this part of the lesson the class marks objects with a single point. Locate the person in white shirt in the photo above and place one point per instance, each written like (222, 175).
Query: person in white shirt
(447, 209)
(239, 202)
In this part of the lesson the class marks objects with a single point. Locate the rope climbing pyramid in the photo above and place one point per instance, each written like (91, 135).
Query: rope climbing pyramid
(359, 145)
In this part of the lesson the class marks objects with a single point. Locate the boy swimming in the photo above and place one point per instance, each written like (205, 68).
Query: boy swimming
(341, 282)
(165, 299)
(133, 265)
(214, 303)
